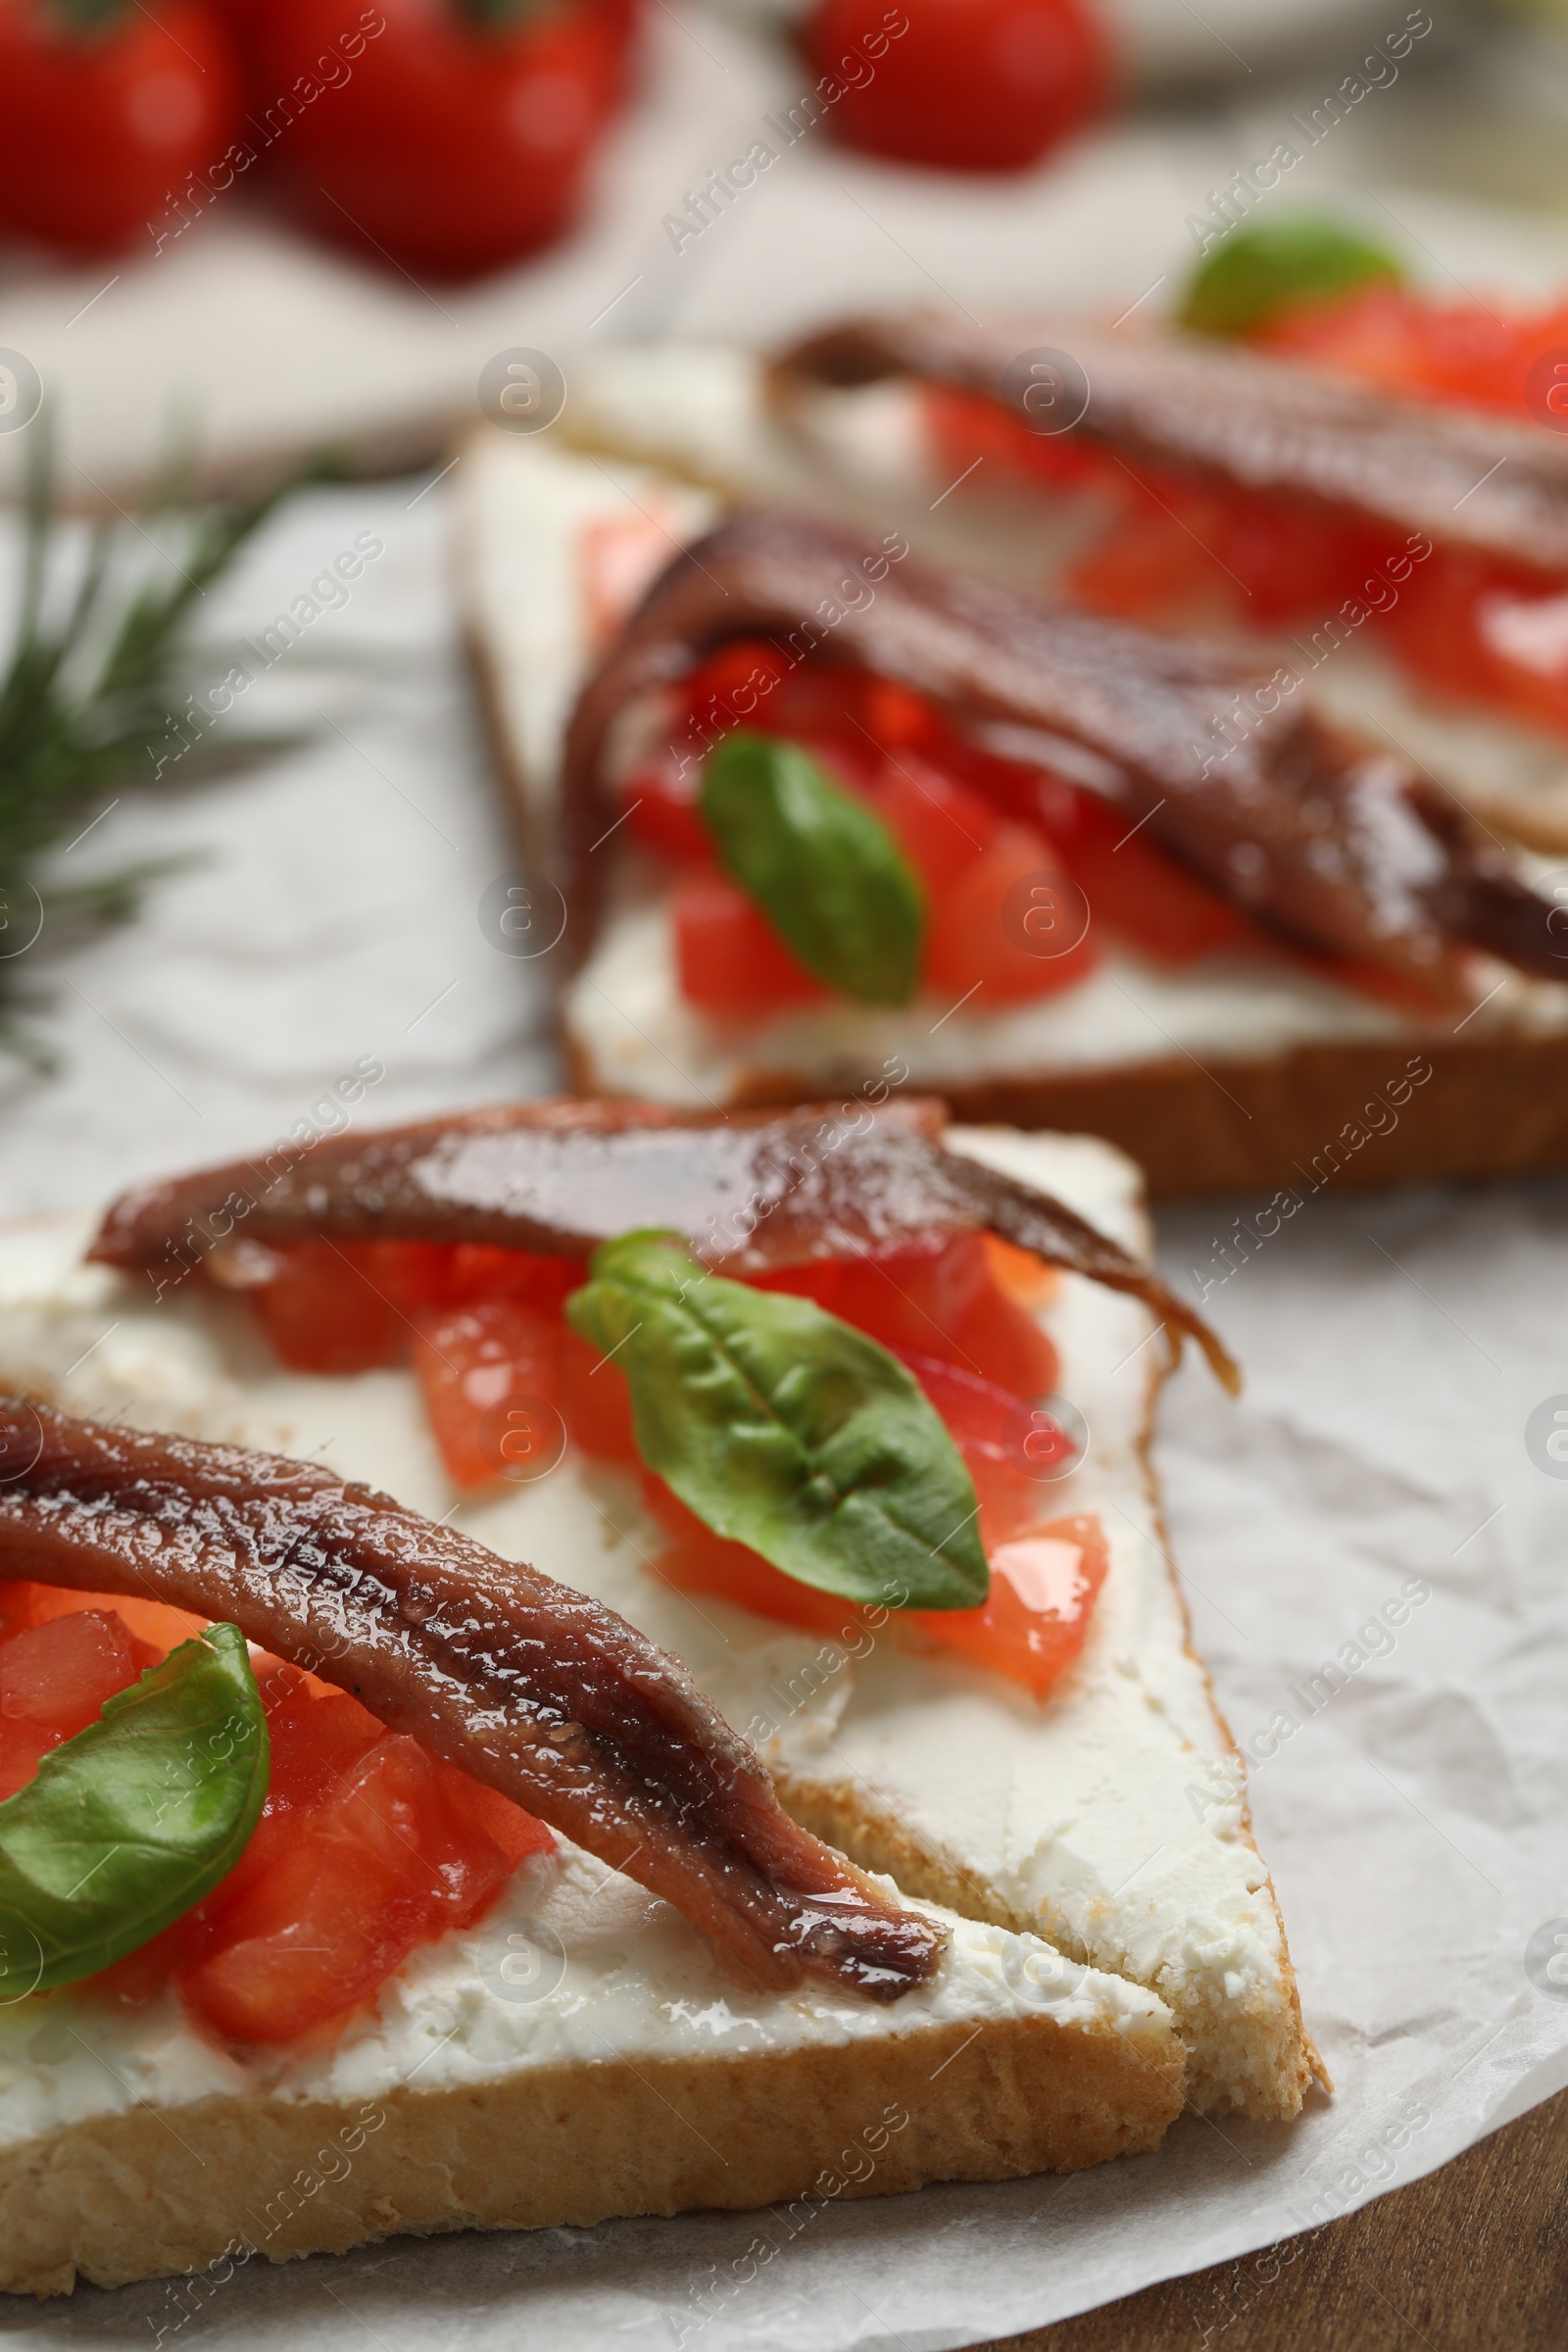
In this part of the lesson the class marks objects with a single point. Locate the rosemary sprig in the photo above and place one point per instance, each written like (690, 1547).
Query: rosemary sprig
(92, 689)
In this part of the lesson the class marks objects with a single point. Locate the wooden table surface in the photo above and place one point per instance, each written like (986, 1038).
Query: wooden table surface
(1472, 2259)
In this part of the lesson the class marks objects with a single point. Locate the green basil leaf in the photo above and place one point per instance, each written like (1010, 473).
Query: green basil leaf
(825, 870)
(1270, 265)
(786, 1429)
(135, 1819)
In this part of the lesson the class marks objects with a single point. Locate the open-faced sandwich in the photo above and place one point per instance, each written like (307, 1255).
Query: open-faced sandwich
(356, 1876)
(857, 773)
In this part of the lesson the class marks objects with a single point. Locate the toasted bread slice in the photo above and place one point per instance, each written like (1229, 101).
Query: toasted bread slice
(1239, 1070)
(1109, 1818)
(578, 2056)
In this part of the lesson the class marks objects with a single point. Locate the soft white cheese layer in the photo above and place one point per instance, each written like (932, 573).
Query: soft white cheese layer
(626, 1016)
(574, 1966)
(1110, 1814)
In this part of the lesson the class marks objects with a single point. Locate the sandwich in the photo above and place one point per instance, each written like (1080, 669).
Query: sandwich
(808, 797)
(630, 1653)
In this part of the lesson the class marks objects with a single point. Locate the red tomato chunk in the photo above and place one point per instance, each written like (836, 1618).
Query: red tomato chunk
(1046, 1573)
(367, 1846)
(55, 1679)
(385, 1852)
(475, 1362)
(941, 1301)
(1043, 1585)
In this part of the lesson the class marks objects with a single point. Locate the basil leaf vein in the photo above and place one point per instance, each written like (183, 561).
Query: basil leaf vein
(785, 1429)
(129, 1823)
(826, 871)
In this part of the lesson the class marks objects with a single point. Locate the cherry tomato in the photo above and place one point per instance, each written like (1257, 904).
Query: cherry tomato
(105, 111)
(447, 136)
(972, 85)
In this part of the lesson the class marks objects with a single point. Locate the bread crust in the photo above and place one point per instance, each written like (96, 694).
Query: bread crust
(142, 2194)
(1493, 1105)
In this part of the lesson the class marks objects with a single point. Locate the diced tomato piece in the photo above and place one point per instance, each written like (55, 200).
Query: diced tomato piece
(964, 427)
(366, 1846)
(595, 1400)
(938, 1300)
(661, 799)
(154, 1626)
(895, 718)
(314, 1741)
(472, 1363)
(326, 1311)
(698, 1561)
(728, 956)
(1468, 352)
(1160, 910)
(1473, 627)
(981, 1419)
(705, 1563)
(1043, 1585)
(942, 826)
(362, 1880)
(1022, 1277)
(978, 930)
(516, 1834)
(480, 1270)
(55, 1678)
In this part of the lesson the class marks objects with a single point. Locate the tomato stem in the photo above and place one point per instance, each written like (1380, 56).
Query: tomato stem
(89, 17)
(501, 15)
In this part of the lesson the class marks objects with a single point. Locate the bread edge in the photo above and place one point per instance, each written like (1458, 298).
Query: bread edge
(1320, 1117)
(151, 2191)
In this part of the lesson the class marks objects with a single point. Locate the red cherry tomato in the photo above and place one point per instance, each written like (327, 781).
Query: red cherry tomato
(104, 115)
(445, 137)
(972, 85)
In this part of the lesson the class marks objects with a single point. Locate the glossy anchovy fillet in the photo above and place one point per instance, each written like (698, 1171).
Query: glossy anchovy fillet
(1470, 479)
(529, 1686)
(753, 1190)
(1345, 849)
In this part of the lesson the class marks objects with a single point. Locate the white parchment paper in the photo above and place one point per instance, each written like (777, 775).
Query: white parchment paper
(1397, 1346)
